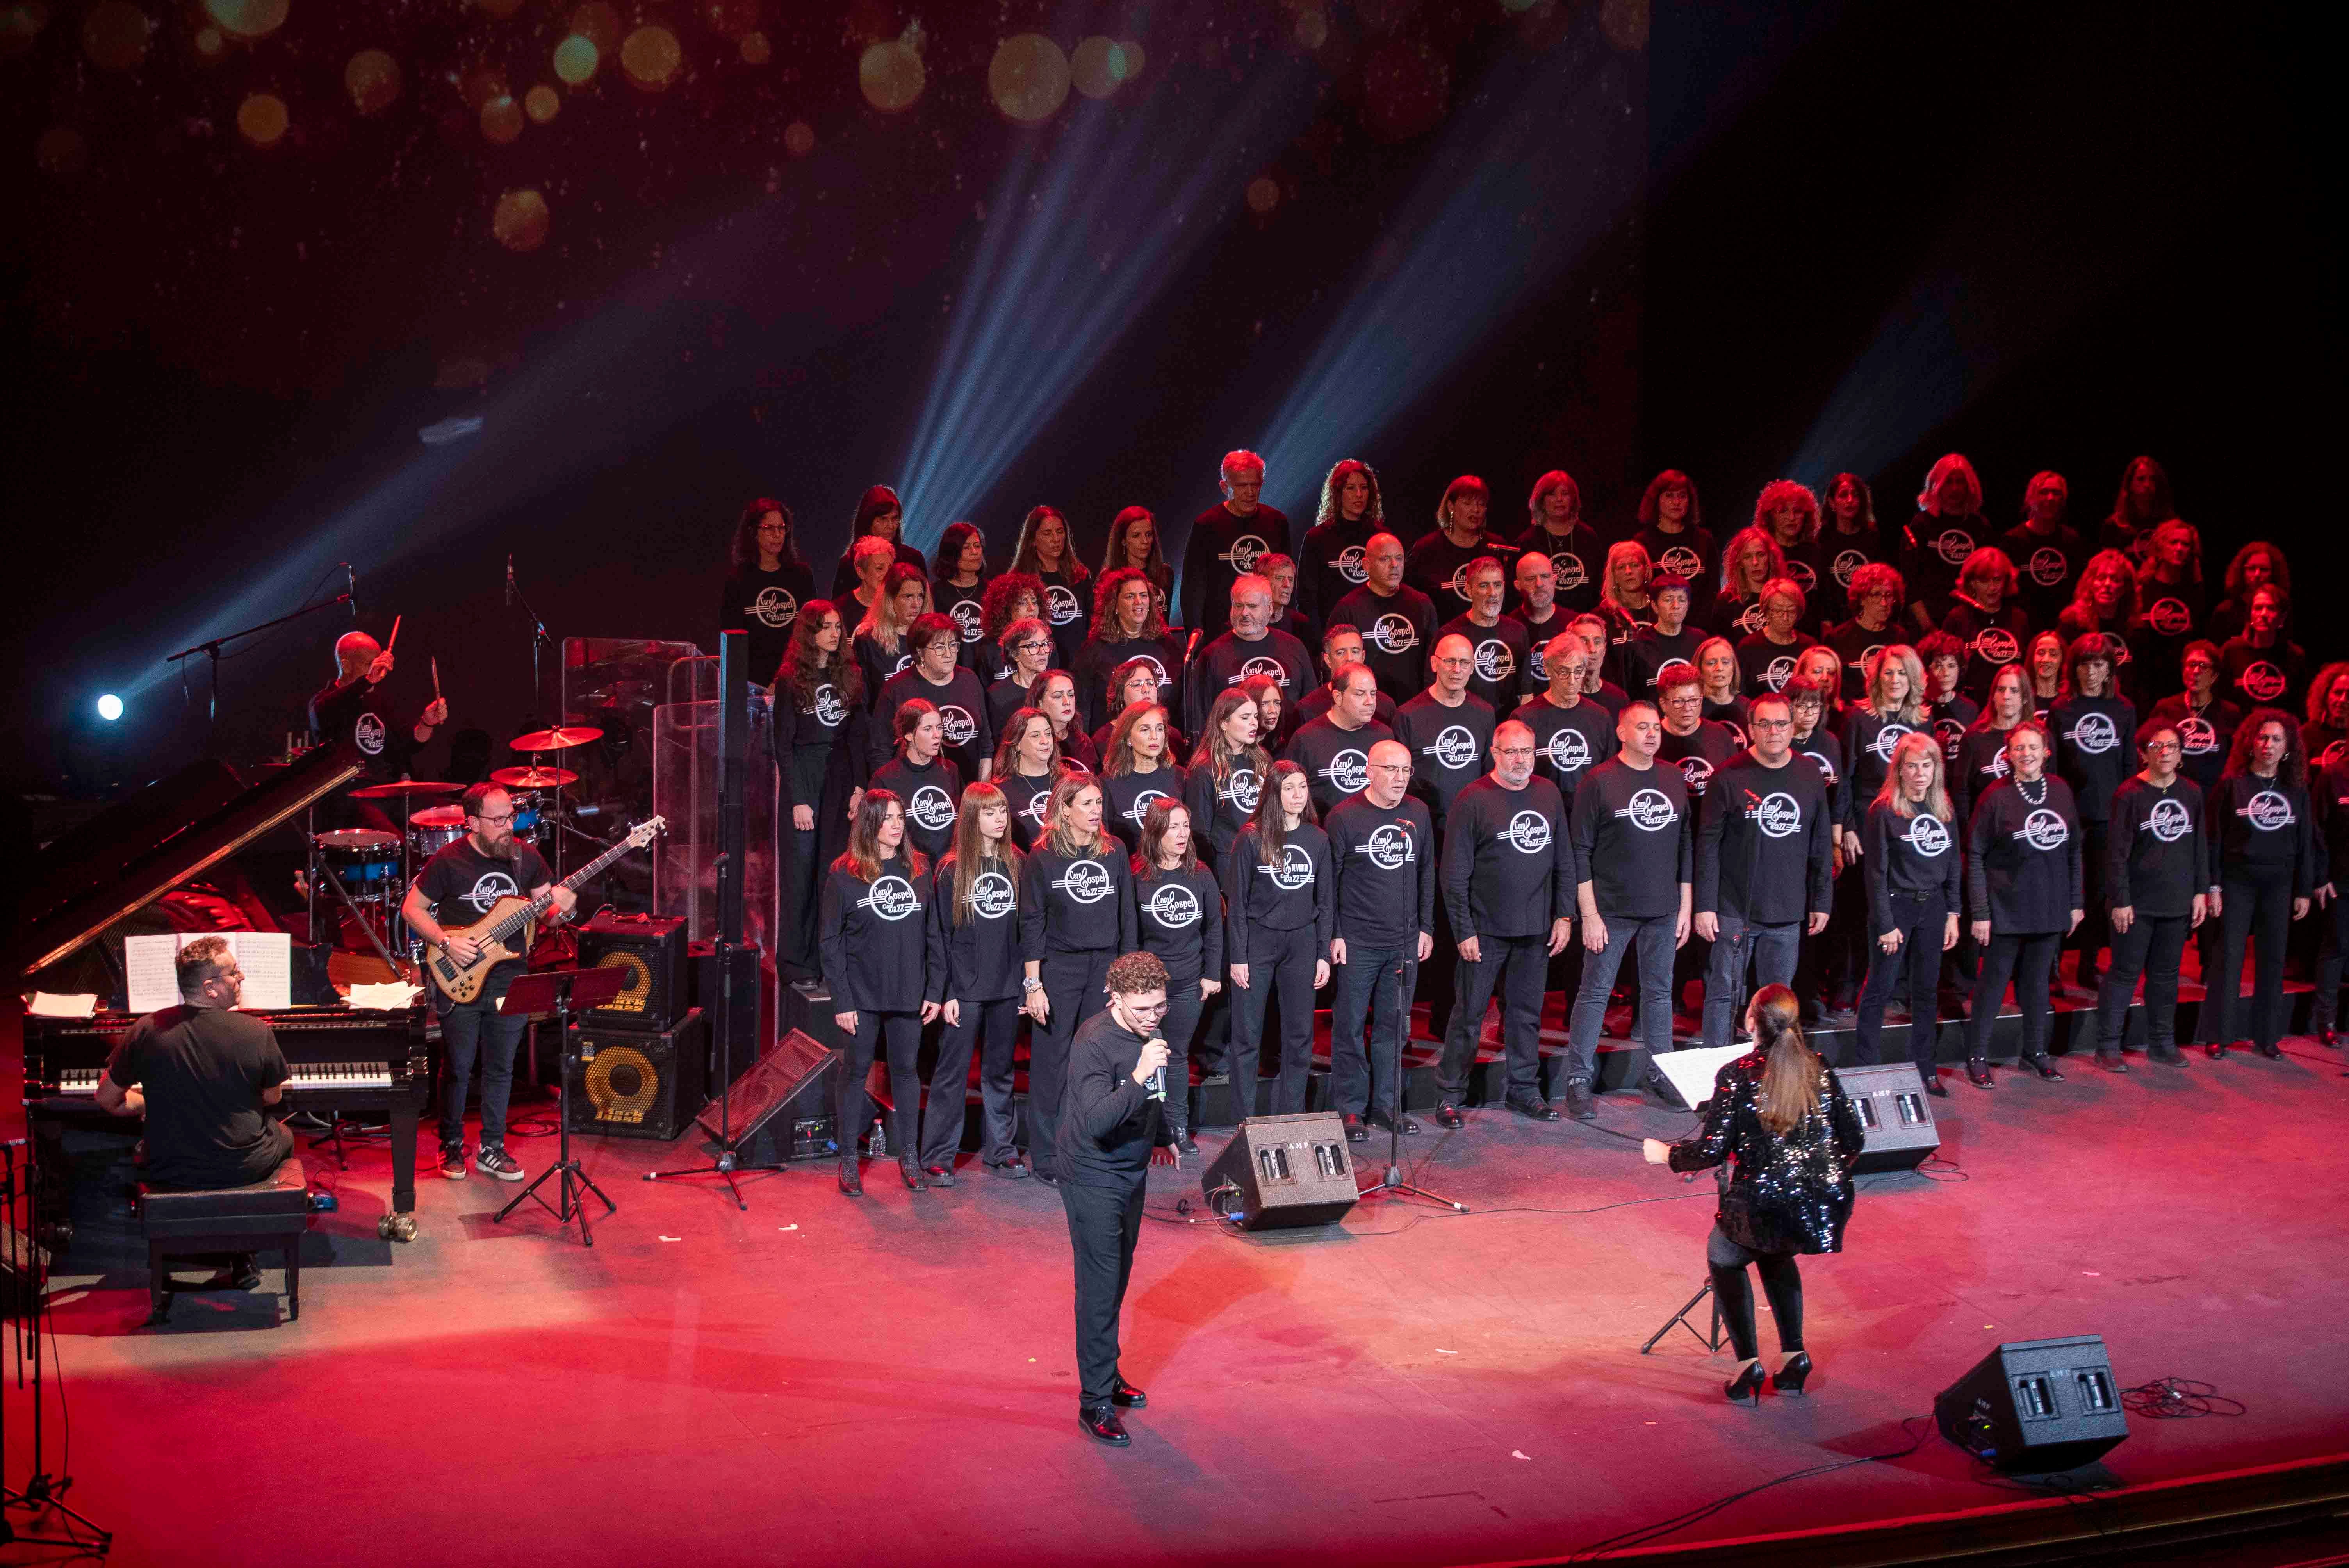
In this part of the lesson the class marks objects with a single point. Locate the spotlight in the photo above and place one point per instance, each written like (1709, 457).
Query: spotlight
(109, 707)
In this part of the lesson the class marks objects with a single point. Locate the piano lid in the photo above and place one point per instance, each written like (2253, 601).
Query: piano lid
(132, 855)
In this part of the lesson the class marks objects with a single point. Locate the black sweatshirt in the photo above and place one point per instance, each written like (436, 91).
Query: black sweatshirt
(1842, 554)
(1933, 551)
(1075, 903)
(876, 941)
(1981, 763)
(1869, 741)
(1329, 564)
(1383, 860)
(2204, 738)
(2023, 861)
(1764, 843)
(1099, 660)
(1568, 741)
(1027, 797)
(1398, 634)
(1109, 1123)
(964, 607)
(1126, 798)
(2158, 855)
(765, 605)
(1448, 745)
(1650, 651)
(1633, 841)
(1220, 809)
(1336, 762)
(1287, 895)
(1501, 652)
(932, 797)
(1764, 665)
(2262, 829)
(1180, 914)
(1913, 854)
(1992, 641)
(1853, 642)
(1576, 556)
(2095, 748)
(1689, 552)
(1228, 661)
(1701, 753)
(1824, 752)
(963, 713)
(1508, 860)
(2049, 564)
(1221, 546)
(1439, 568)
(1949, 721)
(981, 953)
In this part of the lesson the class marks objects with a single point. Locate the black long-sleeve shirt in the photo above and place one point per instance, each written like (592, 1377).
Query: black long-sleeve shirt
(1439, 568)
(979, 955)
(1127, 798)
(1228, 661)
(765, 605)
(2157, 856)
(1099, 659)
(1949, 719)
(1109, 1123)
(1918, 853)
(1868, 740)
(1764, 665)
(2023, 861)
(2328, 802)
(1287, 894)
(1329, 564)
(1336, 762)
(1824, 752)
(1633, 841)
(1500, 654)
(1221, 546)
(1568, 741)
(2263, 829)
(1933, 551)
(1508, 868)
(1690, 553)
(1383, 860)
(1448, 745)
(1649, 650)
(963, 715)
(1701, 753)
(2096, 747)
(1398, 635)
(1765, 838)
(1029, 795)
(1854, 645)
(1081, 904)
(2049, 564)
(1220, 807)
(876, 941)
(2204, 736)
(1981, 762)
(932, 795)
(1577, 557)
(1180, 915)
(1993, 640)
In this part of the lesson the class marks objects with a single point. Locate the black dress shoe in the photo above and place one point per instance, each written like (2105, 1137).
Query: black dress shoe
(1010, 1170)
(1793, 1374)
(1579, 1102)
(911, 1170)
(2167, 1056)
(2046, 1070)
(2328, 1036)
(1448, 1117)
(1355, 1131)
(245, 1273)
(2273, 1053)
(850, 1183)
(1934, 1087)
(1978, 1074)
(1101, 1421)
(2111, 1062)
(2215, 1050)
(1185, 1147)
(1537, 1109)
(939, 1175)
(1747, 1385)
(1127, 1396)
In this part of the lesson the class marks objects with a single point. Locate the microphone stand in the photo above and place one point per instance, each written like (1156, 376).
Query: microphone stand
(1392, 1181)
(211, 648)
(538, 638)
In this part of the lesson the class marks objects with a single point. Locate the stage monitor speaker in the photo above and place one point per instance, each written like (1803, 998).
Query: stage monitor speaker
(631, 1083)
(781, 1076)
(1897, 1114)
(1286, 1171)
(1684, 1079)
(703, 958)
(651, 950)
(2036, 1406)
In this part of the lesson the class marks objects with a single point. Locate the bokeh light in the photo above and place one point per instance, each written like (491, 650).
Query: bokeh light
(262, 119)
(521, 220)
(575, 58)
(502, 120)
(799, 139)
(212, 45)
(373, 80)
(1130, 55)
(598, 22)
(1312, 29)
(756, 49)
(1625, 22)
(651, 57)
(109, 707)
(732, 18)
(247, 18)
(1097, 66)
(61, 152)
(19, 25)
(1029, 78)
(541, 103)
(478, 86)
(1263, 194)
(890, 74)
(114, 34)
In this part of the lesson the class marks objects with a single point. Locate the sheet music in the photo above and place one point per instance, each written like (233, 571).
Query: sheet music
(149, 963)
(148, 966)
(388, 997)
(45, 1005)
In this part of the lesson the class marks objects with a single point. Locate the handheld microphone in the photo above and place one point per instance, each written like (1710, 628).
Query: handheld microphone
(510, 586)
(351, 587)
(1158, 1074)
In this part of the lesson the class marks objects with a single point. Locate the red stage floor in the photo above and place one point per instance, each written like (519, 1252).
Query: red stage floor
(890, 1380)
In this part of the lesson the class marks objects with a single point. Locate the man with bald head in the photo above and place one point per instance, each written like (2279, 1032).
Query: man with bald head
(1226, 540)
(1509, 886)
(352, 708)
(1449, 731)
(1397, 621)
(1383, 861)
(1254, 646)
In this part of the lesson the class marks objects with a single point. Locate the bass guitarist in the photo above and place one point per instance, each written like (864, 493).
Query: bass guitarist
(464, 881)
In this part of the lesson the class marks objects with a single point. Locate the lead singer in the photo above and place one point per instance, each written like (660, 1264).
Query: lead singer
(1111, 1117)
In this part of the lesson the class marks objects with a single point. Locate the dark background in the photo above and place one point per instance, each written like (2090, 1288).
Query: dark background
(1746, 241)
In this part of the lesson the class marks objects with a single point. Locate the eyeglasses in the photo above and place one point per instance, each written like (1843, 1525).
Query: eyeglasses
(1769, 724)
(1033, 646)
(495, 821)
(1147, 1009)
(1513, 751)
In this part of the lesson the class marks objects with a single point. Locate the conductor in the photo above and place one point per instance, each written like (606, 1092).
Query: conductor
(1112, 1114)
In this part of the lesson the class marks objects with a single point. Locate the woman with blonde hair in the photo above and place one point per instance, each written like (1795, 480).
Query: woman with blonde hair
(1780, 1115)
(975, 915)
(1789, 514)
(1749, 562)
(1909, 851)
(1623, 596)
(880, 644)
(1893, 705)
(1947, 527)
(1076, 914)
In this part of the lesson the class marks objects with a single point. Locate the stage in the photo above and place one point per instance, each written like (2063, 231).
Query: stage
(890, 1380)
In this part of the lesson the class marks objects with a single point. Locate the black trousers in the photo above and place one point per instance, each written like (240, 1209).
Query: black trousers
(1072, 989)
(2027, 959)
(1516, 967)
(2324, 1009)
(1368, 1018)
(1920, 918)
(990, 1028)
(1782, 1281)
(802, 944)
(1281, 961)
(2095, 928)
(1184, 1006)
(900, 1035)
(1103, 1223)
(2151, 946)
(2254, 908)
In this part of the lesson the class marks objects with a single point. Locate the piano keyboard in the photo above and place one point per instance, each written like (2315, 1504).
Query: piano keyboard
(308, 1078)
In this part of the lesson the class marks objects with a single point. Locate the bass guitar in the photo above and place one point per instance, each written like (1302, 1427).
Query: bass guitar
(505, 932)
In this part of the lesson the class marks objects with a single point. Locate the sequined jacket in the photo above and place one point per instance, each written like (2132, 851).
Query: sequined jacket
(1787, 1192)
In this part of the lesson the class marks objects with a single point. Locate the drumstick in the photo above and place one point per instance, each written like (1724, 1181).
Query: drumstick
(395, 635)
(436, 675)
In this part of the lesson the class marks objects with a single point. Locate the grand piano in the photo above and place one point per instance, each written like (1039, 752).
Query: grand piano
(89, 885)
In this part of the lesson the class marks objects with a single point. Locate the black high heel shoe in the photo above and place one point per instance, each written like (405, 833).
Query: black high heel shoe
(1747, 1385)
(1793, 1374)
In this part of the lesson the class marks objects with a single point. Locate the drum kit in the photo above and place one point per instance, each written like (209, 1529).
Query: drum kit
(370, 868)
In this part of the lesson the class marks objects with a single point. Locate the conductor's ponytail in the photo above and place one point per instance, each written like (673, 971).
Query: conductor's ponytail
(1790, 1071)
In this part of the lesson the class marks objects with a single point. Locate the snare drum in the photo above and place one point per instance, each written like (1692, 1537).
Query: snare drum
(529, 810)
(366, 862)
(432, 828)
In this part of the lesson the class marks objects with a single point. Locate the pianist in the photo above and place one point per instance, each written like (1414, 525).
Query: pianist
(202, 1073)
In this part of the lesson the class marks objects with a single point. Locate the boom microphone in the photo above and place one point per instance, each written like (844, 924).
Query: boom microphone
(351, 587)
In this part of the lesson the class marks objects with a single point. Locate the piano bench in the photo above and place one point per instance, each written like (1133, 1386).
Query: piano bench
(268, 1215)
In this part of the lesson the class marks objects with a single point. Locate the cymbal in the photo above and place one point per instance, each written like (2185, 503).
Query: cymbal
(557, 739)
(357, 839)
(438, 816)
(534, 778)
(405, 787)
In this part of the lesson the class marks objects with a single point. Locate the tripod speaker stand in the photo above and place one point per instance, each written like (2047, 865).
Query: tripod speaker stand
(1392, 1181)
(558, 991)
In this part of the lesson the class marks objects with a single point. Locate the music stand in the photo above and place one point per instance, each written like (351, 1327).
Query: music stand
(558, 991)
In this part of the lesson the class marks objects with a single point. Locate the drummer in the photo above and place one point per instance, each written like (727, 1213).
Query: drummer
(357, 707)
